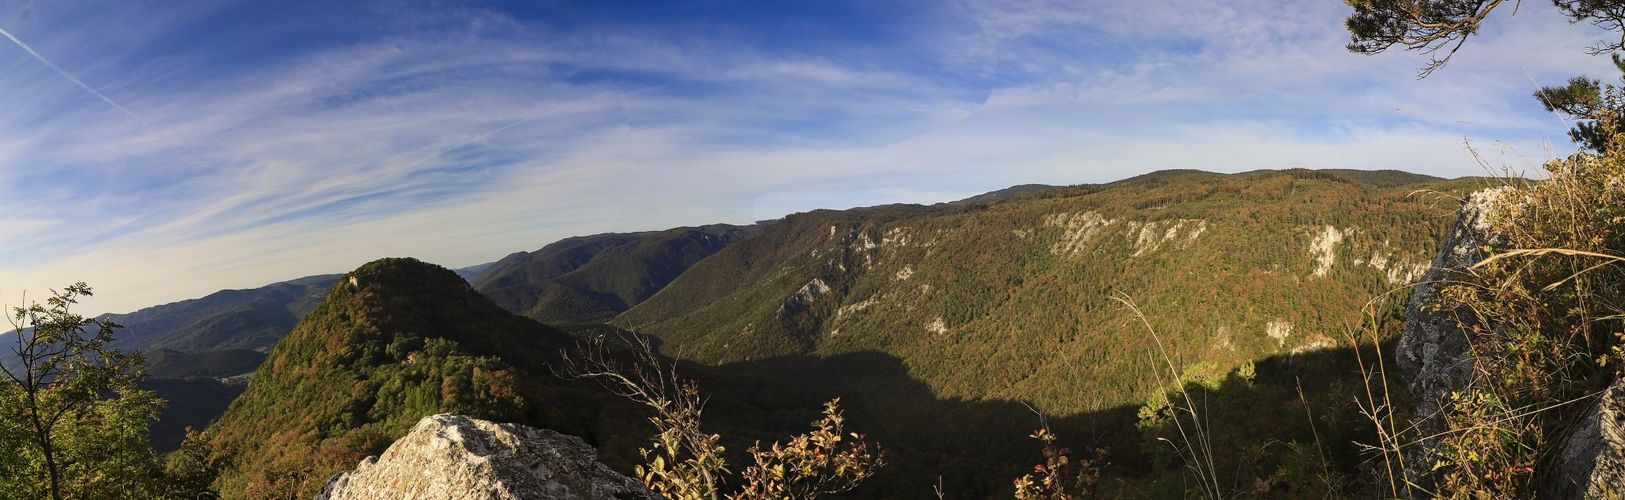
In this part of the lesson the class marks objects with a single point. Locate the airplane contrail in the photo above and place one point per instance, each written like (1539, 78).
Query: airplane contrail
(69, 77)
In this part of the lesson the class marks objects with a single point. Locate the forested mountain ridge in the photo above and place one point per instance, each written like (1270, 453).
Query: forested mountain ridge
(590, 279)
(392, 342)
(934, 324)
(222, 325)
(1003, 194)
(191, 345)
(1012, 299)
(250, 319)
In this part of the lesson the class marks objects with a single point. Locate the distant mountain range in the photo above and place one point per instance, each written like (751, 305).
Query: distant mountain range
(593, 279)
(468, 273)
(200, 350)
(590, 279)
(951, 315)
(228, 320)
(252, 319)
(1010, 297)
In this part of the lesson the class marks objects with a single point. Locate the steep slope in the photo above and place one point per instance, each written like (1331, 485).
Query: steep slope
(1014, 300)
(394, 341)
(938, 325)
(590, 279)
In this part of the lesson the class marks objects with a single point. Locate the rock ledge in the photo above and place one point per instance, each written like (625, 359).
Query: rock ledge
(456, 457)
(1434, 356)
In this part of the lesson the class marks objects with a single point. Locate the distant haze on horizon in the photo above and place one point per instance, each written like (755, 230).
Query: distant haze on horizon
(164, 150)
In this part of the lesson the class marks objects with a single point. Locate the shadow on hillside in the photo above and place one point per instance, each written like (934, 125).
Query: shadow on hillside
(1261, 430)
(193, 402)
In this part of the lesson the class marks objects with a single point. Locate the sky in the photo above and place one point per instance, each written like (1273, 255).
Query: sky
(162, 150)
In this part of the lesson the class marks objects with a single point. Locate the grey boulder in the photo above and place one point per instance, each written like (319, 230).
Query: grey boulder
(455, 457)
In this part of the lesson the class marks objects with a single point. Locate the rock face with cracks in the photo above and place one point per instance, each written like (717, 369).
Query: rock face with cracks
(456, 457)
(1435, 358)
(1592, 461)
(1433, 352)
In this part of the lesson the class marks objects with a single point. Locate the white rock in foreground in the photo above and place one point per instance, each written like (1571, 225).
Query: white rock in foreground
(455, 457)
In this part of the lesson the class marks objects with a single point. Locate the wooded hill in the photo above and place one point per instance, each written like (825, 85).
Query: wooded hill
(392, 342)
(590, 279)
(937, 325)
(1014, 299)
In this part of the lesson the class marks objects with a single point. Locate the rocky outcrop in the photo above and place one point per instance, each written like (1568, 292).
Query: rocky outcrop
(1433, 352)
(1592, 461)
(454, 457)
(1434, 357)
(804, 298)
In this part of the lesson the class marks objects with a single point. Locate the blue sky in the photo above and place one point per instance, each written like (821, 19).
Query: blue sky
(161, 150)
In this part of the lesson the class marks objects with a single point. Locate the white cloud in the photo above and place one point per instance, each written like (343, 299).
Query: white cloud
(463, 136)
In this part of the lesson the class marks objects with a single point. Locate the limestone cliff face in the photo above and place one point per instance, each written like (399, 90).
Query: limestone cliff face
(1433, 350)
(1434, 357)
(454, 457)
(1591, 463)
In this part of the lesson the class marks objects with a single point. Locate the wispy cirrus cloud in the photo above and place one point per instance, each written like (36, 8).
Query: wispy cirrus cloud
(306, 137)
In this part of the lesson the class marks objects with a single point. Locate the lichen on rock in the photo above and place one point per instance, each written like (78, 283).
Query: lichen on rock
(1591, 463)
(1433, 351)
(456, 457)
